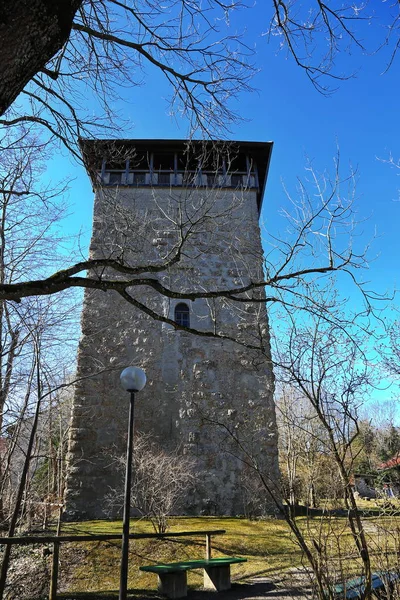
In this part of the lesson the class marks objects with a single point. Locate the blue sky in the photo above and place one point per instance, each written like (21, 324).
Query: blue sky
(361, 117)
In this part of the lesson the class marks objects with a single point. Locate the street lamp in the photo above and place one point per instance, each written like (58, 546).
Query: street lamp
(132, 380)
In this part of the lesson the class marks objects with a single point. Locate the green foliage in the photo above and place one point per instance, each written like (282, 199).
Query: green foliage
(390, 445)
(374, 445)
(388, 476)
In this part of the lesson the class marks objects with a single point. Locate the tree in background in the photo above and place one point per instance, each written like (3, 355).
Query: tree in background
(40, 386)
(308, 470)
(365, 448)
(30, 244)
(44, 494)
(325, 364)
(389, 443)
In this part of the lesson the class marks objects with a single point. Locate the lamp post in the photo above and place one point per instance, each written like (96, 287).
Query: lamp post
(132, 380)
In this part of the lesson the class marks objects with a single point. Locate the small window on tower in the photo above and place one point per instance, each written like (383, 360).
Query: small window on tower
(182, 316)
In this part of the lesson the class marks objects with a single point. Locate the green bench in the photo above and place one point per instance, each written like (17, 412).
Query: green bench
(354, 589)
(173, 577)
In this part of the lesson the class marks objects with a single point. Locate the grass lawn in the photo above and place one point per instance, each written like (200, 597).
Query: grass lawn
(267, 544)
(94, 566)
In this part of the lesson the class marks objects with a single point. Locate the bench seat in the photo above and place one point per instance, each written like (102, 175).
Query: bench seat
(173, 576)
(354, 589)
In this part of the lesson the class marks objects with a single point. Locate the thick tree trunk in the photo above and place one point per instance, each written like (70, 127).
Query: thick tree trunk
(31, 33)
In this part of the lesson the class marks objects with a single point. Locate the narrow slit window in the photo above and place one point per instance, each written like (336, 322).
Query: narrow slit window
(182, 316)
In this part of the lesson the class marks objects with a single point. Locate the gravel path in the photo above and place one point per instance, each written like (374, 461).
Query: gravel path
(256, 589)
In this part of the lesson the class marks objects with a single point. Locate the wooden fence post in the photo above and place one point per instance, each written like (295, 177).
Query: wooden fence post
(208, 546)
(54, 566)
(54, 572)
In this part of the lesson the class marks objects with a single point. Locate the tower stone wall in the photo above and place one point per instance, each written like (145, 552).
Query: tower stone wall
(200, 388)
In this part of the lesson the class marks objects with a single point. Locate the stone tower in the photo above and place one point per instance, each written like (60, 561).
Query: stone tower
(186, 214)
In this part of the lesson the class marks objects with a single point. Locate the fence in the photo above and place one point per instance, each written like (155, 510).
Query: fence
(57, 540)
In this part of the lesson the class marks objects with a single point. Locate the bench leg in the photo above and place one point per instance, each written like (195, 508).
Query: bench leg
(173, 585)
(217, 578)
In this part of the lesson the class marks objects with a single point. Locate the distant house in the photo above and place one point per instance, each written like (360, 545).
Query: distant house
(384, 482)
(393, 462)
(390, 477)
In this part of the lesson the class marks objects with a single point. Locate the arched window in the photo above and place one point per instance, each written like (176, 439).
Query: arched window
(182, 316)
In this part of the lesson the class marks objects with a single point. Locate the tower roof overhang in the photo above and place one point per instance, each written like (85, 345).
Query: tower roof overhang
(95, 150)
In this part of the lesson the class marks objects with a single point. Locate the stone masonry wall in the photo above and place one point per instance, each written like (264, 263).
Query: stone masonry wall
(193, 382)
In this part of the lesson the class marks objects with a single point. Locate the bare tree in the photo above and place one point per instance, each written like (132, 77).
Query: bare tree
(29, 217)
(391, 351)
(161, 481)
(40, 386)
(315, 33)
(328, 366)
(318, 245)
(308, 473)
(105, 46)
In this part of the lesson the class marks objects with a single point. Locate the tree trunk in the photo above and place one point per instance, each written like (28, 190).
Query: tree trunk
(313, 496)
(31, 33)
